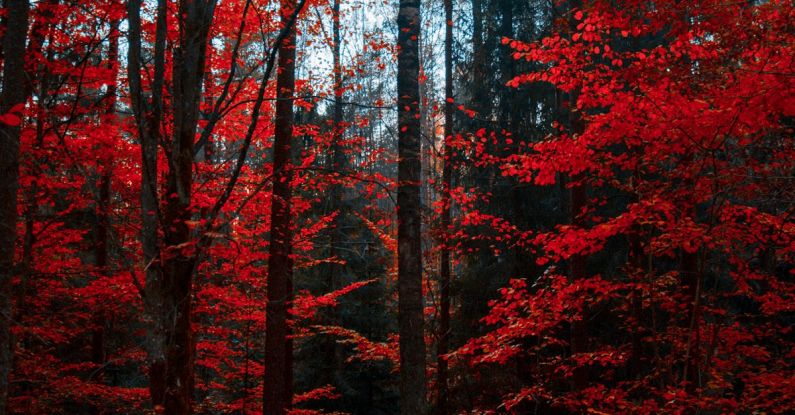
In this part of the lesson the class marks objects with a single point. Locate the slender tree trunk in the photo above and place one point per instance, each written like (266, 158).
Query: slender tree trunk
(579, 342)
(478, 60)
(578, 263)
(507, 66)
(509, 119)
(447, 178)
(690, 280)
(14, 80)
(278, 385)
(338, 165)
(410, 299)
(147, 117)
(691, 285)
(103, 205)
(339, 155)
(102, 231)
(636, 272)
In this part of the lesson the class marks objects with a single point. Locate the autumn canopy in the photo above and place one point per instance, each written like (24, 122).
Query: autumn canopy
(414, 207)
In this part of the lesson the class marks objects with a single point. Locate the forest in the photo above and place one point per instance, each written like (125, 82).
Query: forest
(413, 207)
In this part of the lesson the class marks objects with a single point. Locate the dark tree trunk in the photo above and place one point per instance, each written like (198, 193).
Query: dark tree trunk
(338, 166)
(410, 300)
(578, 263)
(691, 285)
(447, 175)
(170, 268)
(338, 153)
(147, 117)
(179, 256)
(636, 273)
(278, 385)
(509, 114)
(14, 80)
(507, 104)
(102, 231)
(479, 97)
(101, 261)
(579, 329)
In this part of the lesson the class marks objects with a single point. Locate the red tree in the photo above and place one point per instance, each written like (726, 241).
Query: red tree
(686, 116)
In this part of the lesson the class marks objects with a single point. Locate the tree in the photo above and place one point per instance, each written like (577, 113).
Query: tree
(12, 103)
(171, 263)
(278, 385)
(447, 178)
(410, 294)
(170, 268)
(658, 127)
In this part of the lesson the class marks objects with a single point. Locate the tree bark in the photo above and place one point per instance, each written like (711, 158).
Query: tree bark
(691, 286)
(338, 154)
(102, 231)
(410, 299)
(447, 175)
(147, 118)
(507, 64)
(14, 80)
(579, 329)
(338, 166)
(636, 272)
(278, 385)
(578, 263)
(478, 60)
(179, 256)
(170, 268)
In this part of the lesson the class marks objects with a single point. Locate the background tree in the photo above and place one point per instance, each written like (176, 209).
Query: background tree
(278, 389)
(447, 182)
(410, 308)
(11, 107)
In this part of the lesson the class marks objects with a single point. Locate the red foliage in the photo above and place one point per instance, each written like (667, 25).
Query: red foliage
(684, 109)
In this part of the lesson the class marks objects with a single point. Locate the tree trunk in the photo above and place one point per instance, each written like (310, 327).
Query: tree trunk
(179, 257)
(636, 273)
(102, 230)
(447, 175)
(579, 329)
(507, 93)
(479, 72)
(101, 262)
(410, 299)
(170, 269)
(691, 285)
(278, 385)
(14, 79)
(147, 117)
(338, 166)
(578, 263)
(338, 154)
